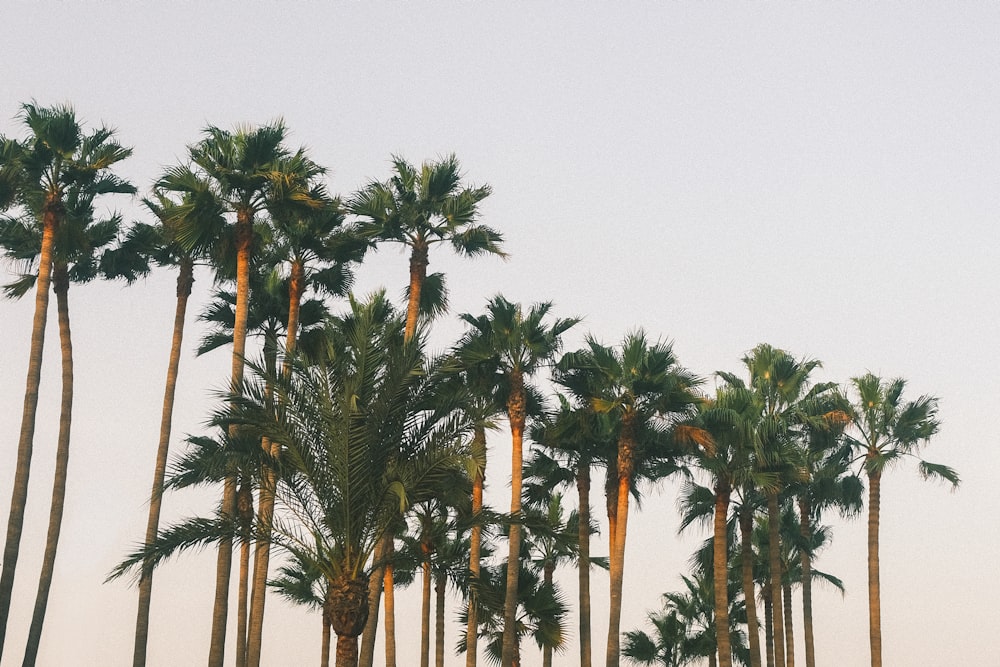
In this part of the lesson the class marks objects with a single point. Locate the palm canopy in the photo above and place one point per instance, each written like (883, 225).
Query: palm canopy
(886, 428)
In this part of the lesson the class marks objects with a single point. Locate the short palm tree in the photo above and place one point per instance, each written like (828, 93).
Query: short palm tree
(645, 391)
(885, 430)
(36, 174)
(516, 344)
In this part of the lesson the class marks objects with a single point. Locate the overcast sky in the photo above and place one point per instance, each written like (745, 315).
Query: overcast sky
(822, 177)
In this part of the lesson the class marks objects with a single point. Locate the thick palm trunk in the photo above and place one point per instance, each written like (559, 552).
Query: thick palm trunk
(786, 590)
(626, 466)
(439, 602)
(19, 493)
(516, 411)
(347, 651)
(478, 482)
(185, 281)
(268, 486)
(583, 564)
(749, 594)
(223, 567)
(774, 559)
(60, 285)
(347, 608)
(805, 528)
(425, 606)
(720, 570)
(874, 602)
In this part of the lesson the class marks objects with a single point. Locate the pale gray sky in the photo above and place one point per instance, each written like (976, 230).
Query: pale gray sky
(822, 177)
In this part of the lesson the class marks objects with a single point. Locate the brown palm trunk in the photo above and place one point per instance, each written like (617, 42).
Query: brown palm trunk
(786, 590)
(185, 281)
(749, 594)
(548, 573)
(324, 650)
(478, 482)
(874, 601)
(347, 608)
(51, 214)
(720, 570)
(439, 602)
(774, 558)
(805, 528)
(768, 624)
(583, 564)
(60, 285)
(388, 583)
(425, 605)
(244, 506)
(223, 567)
(626, 467)
(516, 411)
(418, 273)
(375, 583)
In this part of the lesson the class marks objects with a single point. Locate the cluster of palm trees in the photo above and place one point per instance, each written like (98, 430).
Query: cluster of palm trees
(359, 458)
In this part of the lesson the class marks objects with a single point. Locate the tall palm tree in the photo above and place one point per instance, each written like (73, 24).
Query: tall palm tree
(36, 173)
(249, 170)
(517, 343)
(786, 404)
(885, 430)
(159, 242)
(644, 389)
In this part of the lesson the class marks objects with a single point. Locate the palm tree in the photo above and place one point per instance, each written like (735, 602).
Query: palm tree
(517, 344)
(643, 388)
(36, 174)
(786, 405)
(887, 429)
(419, 208)
(160, 243)
(249, 170)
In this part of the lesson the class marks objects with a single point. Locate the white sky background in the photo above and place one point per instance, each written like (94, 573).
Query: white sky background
(821, 177)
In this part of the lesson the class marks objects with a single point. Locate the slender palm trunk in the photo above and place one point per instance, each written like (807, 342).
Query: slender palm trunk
(749, 594)
(375, 583)
(874, 602)
(786, 590)
(516, 411)
(478, 482)
(60, 285)
(324, 650)
(244, 508)
(439, 602)
(805, 529)
(268, 486)
(223, 568)
(583, 539)
(425, 604)
(774, 558)
(185, 281)
(418, 273)
(720, 570)
(626, 467)
(548, 574)
(19, 494)
(768, 624)
(388, 583)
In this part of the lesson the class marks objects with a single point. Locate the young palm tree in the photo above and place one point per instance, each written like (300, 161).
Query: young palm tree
(249, 170)
(643, 388)
(887, 429)
(37, 174)
(517, 344)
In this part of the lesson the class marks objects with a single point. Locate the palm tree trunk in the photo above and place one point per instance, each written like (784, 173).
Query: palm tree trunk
(583, 563)
(375, 583)
(874, 602)
(774, 558)
(439, 598)
(185, 282)
(262, 554)
(786, 590)
(19, 493)
(768, 624)
(626, 466)
(60, 285)
(244, 505)
(223, 567)
(347, 651)
(548, 574)
(516, 411)
(478, 482)
(749, 594)
(388, 583)
(418, 273)
(425, 606)
(720, 570)
(805, 528)
(324, 651)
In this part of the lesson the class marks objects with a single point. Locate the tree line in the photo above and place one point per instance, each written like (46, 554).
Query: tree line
(359, 458)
